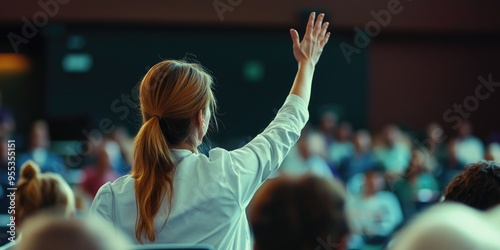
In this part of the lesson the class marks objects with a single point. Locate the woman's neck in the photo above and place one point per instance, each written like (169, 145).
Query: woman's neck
(187, 146)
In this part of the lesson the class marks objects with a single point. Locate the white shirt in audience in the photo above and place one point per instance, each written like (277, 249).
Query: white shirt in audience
(469, 150)
(210, 193)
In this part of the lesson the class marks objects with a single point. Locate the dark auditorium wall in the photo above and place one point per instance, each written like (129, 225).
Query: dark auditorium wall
(122, 54)
(417, 78)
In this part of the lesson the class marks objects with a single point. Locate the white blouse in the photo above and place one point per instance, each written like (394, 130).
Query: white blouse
(210, 193)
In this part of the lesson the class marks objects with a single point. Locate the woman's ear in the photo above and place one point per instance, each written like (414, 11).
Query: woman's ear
(200, 119)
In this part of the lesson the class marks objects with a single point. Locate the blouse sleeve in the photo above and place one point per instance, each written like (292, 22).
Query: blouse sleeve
(252, 164)
(102, 203)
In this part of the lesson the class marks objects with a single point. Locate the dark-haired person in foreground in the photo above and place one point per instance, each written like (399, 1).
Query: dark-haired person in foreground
(299, 213)
(477, 186)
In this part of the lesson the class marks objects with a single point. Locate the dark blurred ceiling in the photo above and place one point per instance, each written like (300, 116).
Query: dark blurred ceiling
(454, 16)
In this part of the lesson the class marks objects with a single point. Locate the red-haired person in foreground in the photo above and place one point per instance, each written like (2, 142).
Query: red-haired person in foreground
(301, 213)
(41, 192)
(175, 194)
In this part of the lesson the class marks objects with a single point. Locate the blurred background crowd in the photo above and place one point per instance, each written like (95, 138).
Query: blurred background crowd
(390, 175)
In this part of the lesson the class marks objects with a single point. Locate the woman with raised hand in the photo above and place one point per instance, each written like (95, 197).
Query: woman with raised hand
(176, 195)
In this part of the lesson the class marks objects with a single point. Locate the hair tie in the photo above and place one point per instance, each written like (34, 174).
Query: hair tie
(157, 116)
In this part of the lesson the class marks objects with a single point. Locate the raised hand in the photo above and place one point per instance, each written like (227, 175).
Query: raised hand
(310, 48)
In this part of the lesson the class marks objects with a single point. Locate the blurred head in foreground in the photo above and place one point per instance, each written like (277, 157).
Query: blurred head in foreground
(478, 186)
(37, 192)
(44, 232)
(451, 226)
(299, 213)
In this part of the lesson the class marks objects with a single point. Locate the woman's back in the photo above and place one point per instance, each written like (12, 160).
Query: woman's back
(204, 209)
(210, 193)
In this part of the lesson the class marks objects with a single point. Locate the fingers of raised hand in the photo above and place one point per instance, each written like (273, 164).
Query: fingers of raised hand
(318, 25)
(322, 32)
(324, 40)
(310, 26)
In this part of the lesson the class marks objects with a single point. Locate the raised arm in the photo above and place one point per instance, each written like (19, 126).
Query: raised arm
(252, 164)
(307, 53)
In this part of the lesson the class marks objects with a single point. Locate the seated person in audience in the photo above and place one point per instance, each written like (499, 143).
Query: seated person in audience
(362, 159)
(305, 156)
(451, 167)
(46, 231)
(392, 151)
(469, 149)
(38, 192)
(299, 213)
(96, 175)
(328, 126)
(7, 122)
(119, 146)
(435, 142)
(450, 226)
(493, 152)
(418, 188)
(342, 148)
(174, 194)
(38, 150)
(374, 213)
(478, 186)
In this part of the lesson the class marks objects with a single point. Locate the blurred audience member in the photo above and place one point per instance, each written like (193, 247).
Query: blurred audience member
(469, 149)
(478, 186)
(328, 126)
(55, 233)
(493, 152)
(38, 150)
(96, 175)
(418, 188)
(435, 142)
(434, 147)
(451, 167)
(374, 214)
(451, 226)
(393, 152)
(342, 148)
(38, 191)
(7, 122)
(305, 156)
(362, 159)
(303, 213)
(119, 147)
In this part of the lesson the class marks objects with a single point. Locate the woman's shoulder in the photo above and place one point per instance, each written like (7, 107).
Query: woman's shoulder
(121, 185)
